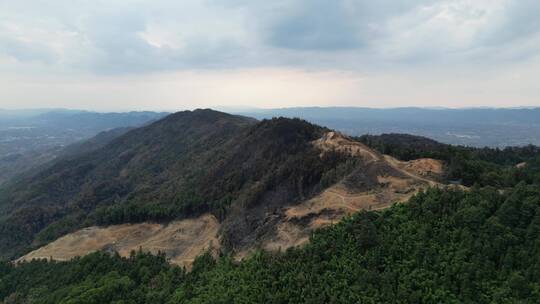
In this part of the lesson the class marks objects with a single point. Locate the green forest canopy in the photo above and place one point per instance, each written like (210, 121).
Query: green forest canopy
(443, 246)
(478, 246)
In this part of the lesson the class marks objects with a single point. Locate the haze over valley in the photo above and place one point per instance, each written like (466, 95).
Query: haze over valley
(477, 127)
(29, 138)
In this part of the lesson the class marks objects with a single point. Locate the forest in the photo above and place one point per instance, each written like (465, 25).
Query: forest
(443, 246)
(182, 166)
(480, 245)
(465, 165)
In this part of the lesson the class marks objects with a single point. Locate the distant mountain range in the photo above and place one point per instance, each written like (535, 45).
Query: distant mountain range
(29, 138)
(477, 127)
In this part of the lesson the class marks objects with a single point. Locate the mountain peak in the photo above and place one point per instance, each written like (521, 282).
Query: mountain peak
(205, 116)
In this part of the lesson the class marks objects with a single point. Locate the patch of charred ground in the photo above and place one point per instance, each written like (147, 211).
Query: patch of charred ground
(373, 188)
(377, 183)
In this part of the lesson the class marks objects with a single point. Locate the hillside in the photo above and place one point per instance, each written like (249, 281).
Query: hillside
(274, 211)
(478, 246)
(465, 165)
(129, 174)
(31, 138)
(370, 181)
(182, 241)
(268, 184)
(184, 165)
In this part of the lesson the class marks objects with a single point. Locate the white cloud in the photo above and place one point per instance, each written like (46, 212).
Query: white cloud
(440, 29)
(119, 40)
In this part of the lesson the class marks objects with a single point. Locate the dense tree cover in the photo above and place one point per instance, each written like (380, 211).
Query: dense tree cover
(484, 166)
(184, 165)
(96, 278)
(444, 246)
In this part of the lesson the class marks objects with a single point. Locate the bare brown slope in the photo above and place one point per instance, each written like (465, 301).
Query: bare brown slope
(181, 240)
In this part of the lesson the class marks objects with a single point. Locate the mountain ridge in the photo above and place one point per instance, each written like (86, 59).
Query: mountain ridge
(248, 174)
(185, 164)
(371, 182)
(305, 208)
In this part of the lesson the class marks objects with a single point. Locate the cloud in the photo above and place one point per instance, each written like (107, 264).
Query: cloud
(134, 36)
(439, 29)
(519, 21)
(116, 37)
(317, 24)
(26, 51)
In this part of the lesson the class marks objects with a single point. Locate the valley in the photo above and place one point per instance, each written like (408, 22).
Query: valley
(474, 127)
(30, 139)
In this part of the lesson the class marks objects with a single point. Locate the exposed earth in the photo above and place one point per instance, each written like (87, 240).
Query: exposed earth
(181, 241)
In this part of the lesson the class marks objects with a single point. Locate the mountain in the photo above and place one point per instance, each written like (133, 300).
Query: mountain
(273, 211)
(261, 181)
(476, 127)
(30, 138)
(93, 143)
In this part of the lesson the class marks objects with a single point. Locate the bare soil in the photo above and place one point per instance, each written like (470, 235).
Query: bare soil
(181, 241)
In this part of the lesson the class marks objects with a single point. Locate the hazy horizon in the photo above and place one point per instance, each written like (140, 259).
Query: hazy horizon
(241, 109)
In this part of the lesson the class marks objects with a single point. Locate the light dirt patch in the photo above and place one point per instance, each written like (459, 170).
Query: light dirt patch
(399, 185)
(335, 199)
(402, 166)
(287, 235)
(339, 203)
(181, 241)
(418, 168)
(329, 208)
(521, 165)
(424, 167)
(341, 143)
(415, 170)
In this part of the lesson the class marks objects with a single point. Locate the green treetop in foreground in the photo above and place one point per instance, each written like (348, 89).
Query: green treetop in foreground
(443, 246)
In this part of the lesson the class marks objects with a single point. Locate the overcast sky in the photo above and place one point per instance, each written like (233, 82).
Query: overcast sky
(177, 54)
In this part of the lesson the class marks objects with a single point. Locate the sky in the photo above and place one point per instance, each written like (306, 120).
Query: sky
(182, 54)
